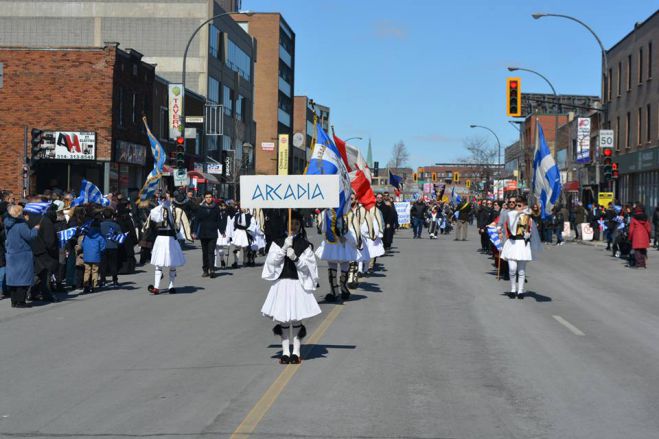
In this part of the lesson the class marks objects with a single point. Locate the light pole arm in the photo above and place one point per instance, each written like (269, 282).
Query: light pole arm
(187, 47)
(606, 63)
(540, 75)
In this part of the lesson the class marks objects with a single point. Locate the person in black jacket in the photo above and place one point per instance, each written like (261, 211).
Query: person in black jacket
(418, 215)
(205, 225)
(45, 250)
(390, 218)
(128, 227)
(483, 218)
(110, 258)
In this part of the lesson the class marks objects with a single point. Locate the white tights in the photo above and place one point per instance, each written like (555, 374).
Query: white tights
(517, 268)
(159, 276)
(293, 327)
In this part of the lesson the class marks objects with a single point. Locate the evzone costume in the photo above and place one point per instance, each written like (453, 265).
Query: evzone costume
(339, 249)
(374, 238)
(166, 252)
(291, 265)
(434, 219)
(257, 231)
(242, 239)
(225, 233)
(522, 241)
(359, 221)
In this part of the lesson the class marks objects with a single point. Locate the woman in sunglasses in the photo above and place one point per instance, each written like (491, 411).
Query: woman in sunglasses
(522, 240)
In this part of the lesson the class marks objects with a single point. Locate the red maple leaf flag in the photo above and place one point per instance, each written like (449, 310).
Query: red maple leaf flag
(357, 170)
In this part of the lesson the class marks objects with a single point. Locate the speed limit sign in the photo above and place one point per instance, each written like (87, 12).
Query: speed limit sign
(606, 139)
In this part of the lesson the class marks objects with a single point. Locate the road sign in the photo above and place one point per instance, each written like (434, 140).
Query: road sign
(605, 139)
(604, 198)
(181, 178)
(289, 191)
(298, 140)
(194, 119)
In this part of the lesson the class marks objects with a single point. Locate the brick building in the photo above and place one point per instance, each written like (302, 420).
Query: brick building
(90, 101)
(274, 82)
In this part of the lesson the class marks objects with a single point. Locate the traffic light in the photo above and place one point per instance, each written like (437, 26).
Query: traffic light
(37, 141)
(513, 97)
(376, 169)
(180, 155)
(607, 162)
(415, 177)
(456, 177)
(468, 184)
(614, 171)
(434, 176)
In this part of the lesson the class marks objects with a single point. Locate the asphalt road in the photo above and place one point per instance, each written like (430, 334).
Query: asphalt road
(429, 348)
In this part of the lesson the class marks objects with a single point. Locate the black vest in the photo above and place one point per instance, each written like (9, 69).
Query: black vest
(299, 245)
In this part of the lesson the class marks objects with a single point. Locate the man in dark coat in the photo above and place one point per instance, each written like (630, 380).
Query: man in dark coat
(418, 216)
(46, 252)
(390, 218)
(205, 225)
(110, 258)
(483, 218)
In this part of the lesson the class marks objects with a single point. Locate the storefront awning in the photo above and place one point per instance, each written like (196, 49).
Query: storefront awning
(203, 177)
(571, 186)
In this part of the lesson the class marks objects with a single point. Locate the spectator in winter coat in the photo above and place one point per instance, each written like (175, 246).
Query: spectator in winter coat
(20, 259)
(110, 259)
(639, 235)
(205, 225)
(46, 251)
(93, 245)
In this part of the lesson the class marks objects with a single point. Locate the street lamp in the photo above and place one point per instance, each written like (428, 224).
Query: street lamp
(185, 59)
(605, 69)
(521, 69)
(495, 136)
(352, 138)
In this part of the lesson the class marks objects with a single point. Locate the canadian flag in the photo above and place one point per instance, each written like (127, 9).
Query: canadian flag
(360, 174)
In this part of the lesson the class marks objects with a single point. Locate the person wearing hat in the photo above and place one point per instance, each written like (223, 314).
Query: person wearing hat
(166, 252)
(291, 266)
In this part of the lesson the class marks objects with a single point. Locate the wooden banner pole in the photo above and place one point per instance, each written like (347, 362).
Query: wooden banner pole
(289, 221)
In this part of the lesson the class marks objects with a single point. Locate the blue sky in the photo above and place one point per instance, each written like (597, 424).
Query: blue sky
(422, 71)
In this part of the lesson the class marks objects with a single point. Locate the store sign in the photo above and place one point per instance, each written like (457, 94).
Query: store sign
(282, 169)
(175, 109)
(268, 146)
(583, 140)
(214, 168)
(69, 145)
(131, 153)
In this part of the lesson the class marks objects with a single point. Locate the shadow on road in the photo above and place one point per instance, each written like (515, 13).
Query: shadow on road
(370, 287)
(530, 295)
(313, 351)
(187, 290)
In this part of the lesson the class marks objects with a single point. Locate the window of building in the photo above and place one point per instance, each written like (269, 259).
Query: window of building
(648, 123)
(628, 143)
(227, 100)
(639, 126)
(212, 143)
(239, 61)
(609, 78)
(214, 41)
(213, 90)
(619, 81)
(617, 134)
(240, 107)
(121, 107)
(133, 113)
(629, 72)
(640, 65)
(227, 143)
(163, 132)
(650, 60)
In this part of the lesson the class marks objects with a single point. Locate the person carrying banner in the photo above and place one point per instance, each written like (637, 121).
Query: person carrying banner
(291, 266)
(522, 240)
(166, 250)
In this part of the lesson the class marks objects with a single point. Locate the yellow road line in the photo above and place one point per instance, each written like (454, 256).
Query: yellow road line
(251, 421)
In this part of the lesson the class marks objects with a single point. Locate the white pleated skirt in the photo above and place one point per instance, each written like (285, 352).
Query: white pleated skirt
(223, 242)
(375, 247)
(363, 255)
(337, 252)
(516, 250)
(258, 242)
(167, 252)
(288, 301)
(240, 238)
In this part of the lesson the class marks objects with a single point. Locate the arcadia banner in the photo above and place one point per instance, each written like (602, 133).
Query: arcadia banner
(290, 191)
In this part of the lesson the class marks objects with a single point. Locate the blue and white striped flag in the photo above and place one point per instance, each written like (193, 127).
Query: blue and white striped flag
(546, 176)
(38, 208)
(119, 238)
(65, 235)
(89, 193)
(494, 237)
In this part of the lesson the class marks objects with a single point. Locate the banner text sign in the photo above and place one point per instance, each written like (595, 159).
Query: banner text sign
(291, 191)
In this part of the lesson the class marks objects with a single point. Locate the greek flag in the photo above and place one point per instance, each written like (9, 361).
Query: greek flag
(65, 235)
(89, 193)
(494, 237)
(546, 176)
(37, 208)
(119, 238)
(455, 198)
(159, 157)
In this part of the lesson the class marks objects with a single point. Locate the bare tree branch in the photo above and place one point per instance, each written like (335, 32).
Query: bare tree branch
(399, 155)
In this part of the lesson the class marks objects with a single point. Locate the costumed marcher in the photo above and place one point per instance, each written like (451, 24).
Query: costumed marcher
(258, 242)
(339, 249)
(242, 237)
(522, 241)
(362, 224)
(374, 238)
(291, 264)
(225, 233)
(166, 250)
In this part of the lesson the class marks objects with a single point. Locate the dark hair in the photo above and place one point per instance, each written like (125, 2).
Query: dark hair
(108, 213)
(208, 193)
(522, 199)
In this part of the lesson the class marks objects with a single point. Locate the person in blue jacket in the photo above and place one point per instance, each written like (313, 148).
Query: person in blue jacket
(93, 245)
(20, 260)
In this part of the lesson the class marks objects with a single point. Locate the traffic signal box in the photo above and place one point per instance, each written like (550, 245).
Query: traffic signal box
(434, 176)
(415, 176)
(180, 155)
(614, 171)
(37, 141)
(456, 177)
(513, 97)
(607, 163)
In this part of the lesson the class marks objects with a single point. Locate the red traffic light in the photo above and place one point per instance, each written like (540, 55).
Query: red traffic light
(614, 166)
(180, 140)
(513, 84)
(607, 152)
